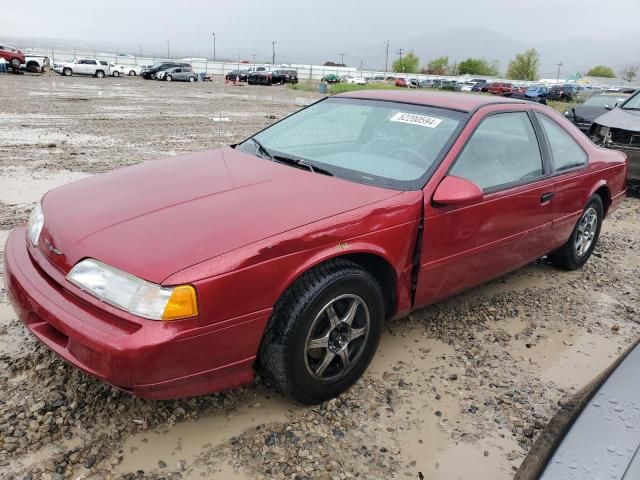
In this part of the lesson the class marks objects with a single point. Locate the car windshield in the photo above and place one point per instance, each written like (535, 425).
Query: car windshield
(383, 143)
(633, 102)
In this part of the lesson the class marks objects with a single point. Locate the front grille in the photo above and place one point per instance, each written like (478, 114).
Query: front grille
(625, 137)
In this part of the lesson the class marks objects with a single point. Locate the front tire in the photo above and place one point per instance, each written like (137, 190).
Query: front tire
(67, 72)
(168, 78)
(323, 332)
(575, 253)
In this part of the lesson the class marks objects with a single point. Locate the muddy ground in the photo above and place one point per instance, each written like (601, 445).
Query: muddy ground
(459, 390)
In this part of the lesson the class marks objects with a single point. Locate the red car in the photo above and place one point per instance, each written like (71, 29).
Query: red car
(401, 82)
(13, 56)
(287, 252)
(500, 88)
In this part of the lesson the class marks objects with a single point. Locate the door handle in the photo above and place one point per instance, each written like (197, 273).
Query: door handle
(546, 197)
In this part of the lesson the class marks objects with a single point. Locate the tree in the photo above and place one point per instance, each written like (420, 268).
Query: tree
(437, 66)
(406, 64)
(601, 71)
(524, 66)
(476, 66)
(629, 72)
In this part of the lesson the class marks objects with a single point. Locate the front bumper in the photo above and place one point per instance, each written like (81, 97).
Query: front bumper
(150, 359)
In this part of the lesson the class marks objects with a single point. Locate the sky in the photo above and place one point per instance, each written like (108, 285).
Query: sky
(246, 27)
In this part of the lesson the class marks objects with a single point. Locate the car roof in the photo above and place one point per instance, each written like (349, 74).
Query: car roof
(456, 101)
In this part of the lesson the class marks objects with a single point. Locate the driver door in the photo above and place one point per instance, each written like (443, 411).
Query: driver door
(466, 245)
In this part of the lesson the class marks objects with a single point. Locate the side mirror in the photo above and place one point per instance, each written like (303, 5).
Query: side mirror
(457, 191)
(608, 107)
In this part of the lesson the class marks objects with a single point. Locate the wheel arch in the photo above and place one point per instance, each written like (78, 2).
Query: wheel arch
(372, 259)
(603, 190)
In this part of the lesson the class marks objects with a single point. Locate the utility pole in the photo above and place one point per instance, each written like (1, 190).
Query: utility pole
(400, 52)
(214, 46)
(254, 58)
(342, 58)
(386, 61)
(168, 50)
(140, 48)
(558, 77)
(273, 53)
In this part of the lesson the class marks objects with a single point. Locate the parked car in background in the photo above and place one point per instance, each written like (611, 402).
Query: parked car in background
(563, 93)
(449, 85)
(619, 129)
(260, 78)
(500, 88)
(237, 75)
(331, 78)
(177, 74)
(150, 72)
(595, 435)
(466, 86)
(256, 69)
(284, 76)
(583, 114)
(116, 70)
(13, 56)
(478, 87)
(36, 64)
(536, 91)
(133, 70)
(401, 82)
(355, 80)
(82, 66)
(426, 83)
(331, 238)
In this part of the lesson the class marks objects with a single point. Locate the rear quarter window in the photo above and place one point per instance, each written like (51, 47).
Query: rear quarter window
(566, 152)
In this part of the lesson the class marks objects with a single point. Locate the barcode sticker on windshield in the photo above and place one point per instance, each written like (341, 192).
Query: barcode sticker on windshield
(415, 119)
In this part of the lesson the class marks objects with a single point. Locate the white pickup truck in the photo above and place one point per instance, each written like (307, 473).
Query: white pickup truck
(82, 66)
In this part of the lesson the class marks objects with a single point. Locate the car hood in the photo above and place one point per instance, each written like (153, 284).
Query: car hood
(588, 113)
(154, 219)
(619, 118)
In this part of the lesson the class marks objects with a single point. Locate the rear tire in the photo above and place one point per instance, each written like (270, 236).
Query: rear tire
(192, 79)
(313, 348)
(575, 253)
(132, 73)
(116, 74)
(100, 74)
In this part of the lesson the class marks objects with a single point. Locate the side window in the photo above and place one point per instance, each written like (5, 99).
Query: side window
(503, 150)
(91, 62)
(565, 150)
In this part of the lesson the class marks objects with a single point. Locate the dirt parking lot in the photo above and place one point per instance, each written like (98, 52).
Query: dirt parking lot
(459, 390)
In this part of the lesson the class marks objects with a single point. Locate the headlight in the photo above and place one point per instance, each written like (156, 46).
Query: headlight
(36, 221)
(133, 294)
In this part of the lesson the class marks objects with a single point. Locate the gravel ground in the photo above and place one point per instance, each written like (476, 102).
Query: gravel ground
(457, 390)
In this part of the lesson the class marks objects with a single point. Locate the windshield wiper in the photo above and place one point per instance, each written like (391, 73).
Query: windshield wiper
(298, 162)
(630, 108)
(261, 148)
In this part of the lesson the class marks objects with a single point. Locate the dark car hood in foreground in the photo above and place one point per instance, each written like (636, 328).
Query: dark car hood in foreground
(588, 113)
(603, 441)
(619, 118)
(157, 218)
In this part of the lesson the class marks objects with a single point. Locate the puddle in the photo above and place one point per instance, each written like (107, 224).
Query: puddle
(19, 186)
(186, 440)
(44, 453)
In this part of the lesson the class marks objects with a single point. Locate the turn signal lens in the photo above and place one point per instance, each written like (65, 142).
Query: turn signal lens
(181, 304)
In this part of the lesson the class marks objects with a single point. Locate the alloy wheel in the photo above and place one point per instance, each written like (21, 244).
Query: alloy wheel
(337, 337)
(587, 228)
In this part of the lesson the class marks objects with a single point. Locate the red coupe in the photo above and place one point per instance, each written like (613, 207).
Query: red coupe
(287, 252)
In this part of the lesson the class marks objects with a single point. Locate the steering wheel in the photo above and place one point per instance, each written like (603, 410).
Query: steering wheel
(414, 157)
